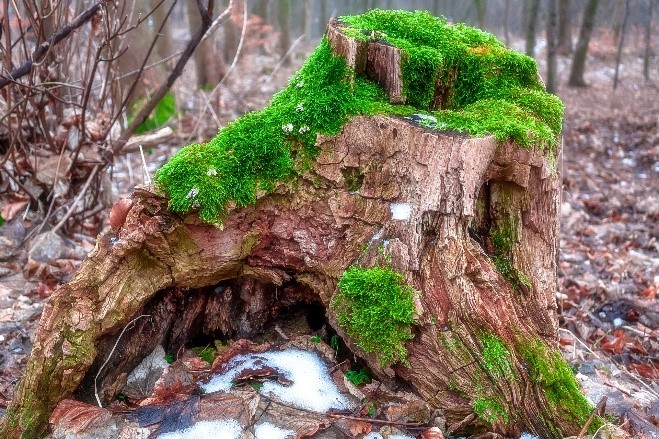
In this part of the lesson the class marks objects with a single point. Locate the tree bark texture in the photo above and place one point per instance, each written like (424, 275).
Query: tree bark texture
(292, 246)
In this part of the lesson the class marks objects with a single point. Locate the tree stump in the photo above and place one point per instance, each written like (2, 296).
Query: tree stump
(471, 222)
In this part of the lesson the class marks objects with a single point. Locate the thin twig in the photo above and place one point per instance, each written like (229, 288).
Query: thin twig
(68, 214)
(375, 421)
(173, 76)
(580, 342)
(597, 411)
(283, 58)
(116, 343)
(226, 75)
(146, 170)
(41, 51)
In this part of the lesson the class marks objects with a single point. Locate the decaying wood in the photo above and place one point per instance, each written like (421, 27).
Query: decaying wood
(291, 247)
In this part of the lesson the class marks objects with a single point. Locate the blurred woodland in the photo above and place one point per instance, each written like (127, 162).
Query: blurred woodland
(96, 95)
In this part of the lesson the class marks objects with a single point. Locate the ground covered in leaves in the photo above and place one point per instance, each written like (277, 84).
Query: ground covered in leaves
(609, 259)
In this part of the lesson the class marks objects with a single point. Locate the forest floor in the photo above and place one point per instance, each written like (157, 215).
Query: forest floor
(609, 249)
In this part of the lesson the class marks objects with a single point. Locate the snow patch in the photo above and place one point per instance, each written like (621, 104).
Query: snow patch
(210, 429)
(401, 211)
(311, 388)
(376, 435)
(267, 430)
(526, 435)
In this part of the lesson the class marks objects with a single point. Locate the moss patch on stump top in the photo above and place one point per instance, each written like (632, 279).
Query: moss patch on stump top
(487, 89)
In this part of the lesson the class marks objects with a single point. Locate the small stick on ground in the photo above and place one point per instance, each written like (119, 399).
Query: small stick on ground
(597, 411)
(375, 421)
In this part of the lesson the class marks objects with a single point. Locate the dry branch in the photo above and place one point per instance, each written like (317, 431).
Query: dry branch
(41, 51)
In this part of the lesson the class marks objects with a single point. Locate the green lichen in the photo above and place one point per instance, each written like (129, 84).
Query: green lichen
(485, 87)
(375, 306)
(490, 411)
(548, 369)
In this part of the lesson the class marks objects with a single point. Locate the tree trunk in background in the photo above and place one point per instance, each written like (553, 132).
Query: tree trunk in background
(208, 65)
(618, 13)
(261, 9)
(481, 12)
(164, 45)
(506, 31)
(623, 30)
(232, 30)
(532, 23)
(484, 340)
(564, 27)
(648, 34)
(580, 52)
(552, 28)
(284, 40)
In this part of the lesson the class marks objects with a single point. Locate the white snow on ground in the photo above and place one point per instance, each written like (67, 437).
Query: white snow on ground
(267, 430)
(311, 388)
(401, 211)
(376, 435)
(207, 429)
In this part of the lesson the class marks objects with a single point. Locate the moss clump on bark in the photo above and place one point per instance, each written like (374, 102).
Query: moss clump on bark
(497, 357)
(516, 277)
(375, 306)
(262, 148)
(548, 369)
(490, 411)
(488, 88)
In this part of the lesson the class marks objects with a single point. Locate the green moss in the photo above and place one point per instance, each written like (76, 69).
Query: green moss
(486, 88)
(496, 356)
(516, 277)
(375, 306)
(548, 369)
(504, 236)
(263, 148)
(206, 353)
(357, 377)
(490, 410)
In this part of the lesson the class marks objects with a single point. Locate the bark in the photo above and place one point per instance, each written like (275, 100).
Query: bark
(564, 27)
(579, 57)
(291, 247)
